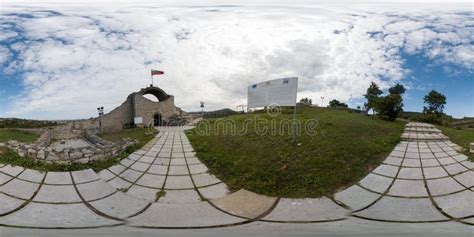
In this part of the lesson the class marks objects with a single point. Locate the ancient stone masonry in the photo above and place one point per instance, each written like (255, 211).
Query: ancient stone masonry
(65, 146)
(138, 111)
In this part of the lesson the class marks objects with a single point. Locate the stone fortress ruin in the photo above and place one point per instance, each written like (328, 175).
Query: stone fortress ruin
(77, 141)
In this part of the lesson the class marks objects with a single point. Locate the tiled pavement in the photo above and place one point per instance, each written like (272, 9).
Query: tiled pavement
(163, 185)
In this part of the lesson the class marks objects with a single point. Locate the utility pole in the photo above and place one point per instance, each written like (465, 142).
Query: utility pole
(202, 109)
(101, 112)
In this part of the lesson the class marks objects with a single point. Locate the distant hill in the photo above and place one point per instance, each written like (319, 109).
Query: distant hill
(215, 114)
(25, 123)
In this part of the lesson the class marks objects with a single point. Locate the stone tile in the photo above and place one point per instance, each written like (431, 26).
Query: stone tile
(158, 169)
(193, 161)
(4, 178)
(31, 175)
(200, 214)
(410, 173)
(142, 167)
(119, 183)
(356, 197)
(126, 162)
(145, 193)
(387, 170)
(162, 161)
(134, 156)
(430, 163)
(402, 209)
(396, 153)
(317, 209)
(153, 181)
(447, 161)
(117, 169)
(245, 204)
(57, 194)
(82, 176)
(467, 179)
(443, 186)
(120, 205)
(177, 155)
(393, 161)
(408, 188)
(178, 162)
(468, 164)
(457, 205)
(455, 168)
(58, 178)
(12, 170)
(205, 179)
(411, 163)
(412, 155)
(20, 189)
(427, 155)
(178, 170)
(376, 183)
(95, 190)
(460, 157)
(434, 172)
(8, 204)
(180, 196)
(56, 216)
(106, 175)
(196, 169)
(441, 154)
(131, 175)
(178, 182)
(164, 154)
(214, 191)
(147, 159)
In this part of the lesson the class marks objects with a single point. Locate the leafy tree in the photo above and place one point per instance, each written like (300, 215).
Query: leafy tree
(397, 89)
(372, 96)
(306, 101)
(390, 106)
(336, 103)
(435, 102)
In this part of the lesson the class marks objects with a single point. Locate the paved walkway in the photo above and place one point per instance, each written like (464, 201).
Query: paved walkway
(163, 185)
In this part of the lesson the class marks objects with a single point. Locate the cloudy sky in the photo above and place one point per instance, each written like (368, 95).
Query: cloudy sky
(62, 61)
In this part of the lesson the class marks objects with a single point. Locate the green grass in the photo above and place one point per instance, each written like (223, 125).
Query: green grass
(10, 157)
(346, 147)
(14, 134)
(462, 137)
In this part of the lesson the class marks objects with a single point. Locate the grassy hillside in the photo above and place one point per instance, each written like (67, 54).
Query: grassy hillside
(21, 136)
(346, 146)
(462, 137)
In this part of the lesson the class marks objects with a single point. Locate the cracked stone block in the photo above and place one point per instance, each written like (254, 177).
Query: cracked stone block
(307, 209)
(402, 209)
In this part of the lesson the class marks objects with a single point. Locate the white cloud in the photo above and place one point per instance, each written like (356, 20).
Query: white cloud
(90, 56)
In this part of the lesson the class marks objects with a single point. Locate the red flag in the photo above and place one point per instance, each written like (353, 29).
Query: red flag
(156, 72)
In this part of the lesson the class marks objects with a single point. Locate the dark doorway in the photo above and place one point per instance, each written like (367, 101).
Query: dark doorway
(157, 120)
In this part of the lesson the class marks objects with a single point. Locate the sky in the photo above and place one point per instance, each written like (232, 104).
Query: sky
(63, 60)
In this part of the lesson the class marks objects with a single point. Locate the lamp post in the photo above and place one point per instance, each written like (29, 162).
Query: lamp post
(322, 101)
(202, 109)
(101, 112)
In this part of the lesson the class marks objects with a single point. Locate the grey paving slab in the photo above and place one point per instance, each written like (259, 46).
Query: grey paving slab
(443, 186)
(95, 190)
(151, 180)
(205, 179)
(180, 196)
(18, 188)
(304, 210)
(434, 172)
(387, 170)
(457, 205)
(8, 204)
(106, 175)
(145, 193)
(32, 175)
(119, 183)
(12, 170)
(402, 209)
(57, 194)
(126, 162)
(131, 175)
(408, 188)
(215, 191)
(55, 216)
(4, 179)
(178, 170)
(393, 161)
(411, 163)
(141, 167)
(120, 205)
(430, 163)
(197, 168)
(82, 176)
(356, 197)
(467, 178)
(178, 162)
(245, 204)
(117, 169)
(193, 161)
(58, 178)
(147, 159)
(410, 173)
(447, 161)
(460, 157)
(158, 169)
(177, 215)
(376, 182)
(178, 182)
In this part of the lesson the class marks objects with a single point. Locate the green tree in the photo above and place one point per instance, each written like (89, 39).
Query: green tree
(390, 106)
(435, 102)
(372, 96)
(336, 103)
(306, 101)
